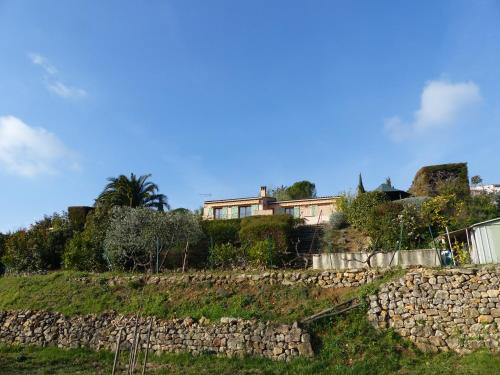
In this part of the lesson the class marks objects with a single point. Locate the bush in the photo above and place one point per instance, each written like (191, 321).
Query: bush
(85, 252)
(222, 231)
(81, 254)
(263, 253)
(40, 247)
(360, 210)
(277, 228)
(226, 255)
(338, 220)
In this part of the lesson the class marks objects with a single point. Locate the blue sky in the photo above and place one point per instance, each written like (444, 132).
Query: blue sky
(221, 97)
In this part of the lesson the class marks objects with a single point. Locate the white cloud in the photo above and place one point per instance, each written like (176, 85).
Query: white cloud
(38, 59)
(441, 104)
(30, 151)
(52, 83)
(64, 91)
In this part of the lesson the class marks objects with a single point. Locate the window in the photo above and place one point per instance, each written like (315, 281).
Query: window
(289, 211)
(217, 213)
(245, 211)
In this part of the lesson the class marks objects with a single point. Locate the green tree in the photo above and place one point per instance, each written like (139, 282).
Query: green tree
(361, 188)
(132, 192)
(40, 247)
(140, 238)
(476, 180)
(302, 190)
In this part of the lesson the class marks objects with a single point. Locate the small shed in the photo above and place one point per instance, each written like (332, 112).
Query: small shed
(485, 241)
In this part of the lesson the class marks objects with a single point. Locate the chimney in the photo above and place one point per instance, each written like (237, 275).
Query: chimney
(263, 191)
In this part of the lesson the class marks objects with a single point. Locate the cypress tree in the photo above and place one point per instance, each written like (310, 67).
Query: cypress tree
(361, 188)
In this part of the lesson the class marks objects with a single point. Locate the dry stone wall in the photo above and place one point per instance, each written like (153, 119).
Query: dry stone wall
(441, 310)
(323, 279)
(227, 337)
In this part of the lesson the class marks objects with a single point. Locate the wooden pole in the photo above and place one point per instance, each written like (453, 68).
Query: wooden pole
(132, 347)
(147, 347)
(117, 350)
(451, 248)
(185, 256)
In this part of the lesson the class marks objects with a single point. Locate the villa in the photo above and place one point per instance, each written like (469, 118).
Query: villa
(312, 210)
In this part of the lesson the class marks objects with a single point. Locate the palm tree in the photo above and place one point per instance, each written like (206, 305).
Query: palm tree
(132, 192)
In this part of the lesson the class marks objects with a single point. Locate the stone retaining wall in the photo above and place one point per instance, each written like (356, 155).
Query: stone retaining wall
(323, 279)
(228, 337)
(441, 310)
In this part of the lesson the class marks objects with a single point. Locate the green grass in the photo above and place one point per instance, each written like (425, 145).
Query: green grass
(65, 293)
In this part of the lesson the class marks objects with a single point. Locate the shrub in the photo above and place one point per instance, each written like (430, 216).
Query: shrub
(263, 253)
(338, 220)
(226, 255)
(222, 231)
(277, 228)
(81, 254)
(359, 211)
(77, 216)
(85, 252)
(40, 247)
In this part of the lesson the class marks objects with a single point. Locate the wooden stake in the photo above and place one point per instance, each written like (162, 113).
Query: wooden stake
(185, 256)
(117, 350)
(147, 347)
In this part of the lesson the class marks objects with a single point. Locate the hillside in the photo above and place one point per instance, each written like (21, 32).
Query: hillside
(345, 344)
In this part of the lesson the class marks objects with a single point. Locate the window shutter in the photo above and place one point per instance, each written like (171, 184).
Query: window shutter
(209, 212)
(234, 212)
(224, 213)
(254, 208)
(296, 212)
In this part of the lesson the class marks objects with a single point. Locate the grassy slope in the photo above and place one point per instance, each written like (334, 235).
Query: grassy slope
(63, 292)
(344, 345)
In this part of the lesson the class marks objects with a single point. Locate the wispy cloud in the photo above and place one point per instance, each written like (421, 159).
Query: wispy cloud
(52, 80)
(38, 59)
(64, 91)
(441, 104)
(30, 151)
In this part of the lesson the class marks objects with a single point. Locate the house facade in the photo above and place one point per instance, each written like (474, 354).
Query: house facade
(312, 210)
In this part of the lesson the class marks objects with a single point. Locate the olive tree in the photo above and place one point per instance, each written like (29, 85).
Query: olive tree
(141, 238)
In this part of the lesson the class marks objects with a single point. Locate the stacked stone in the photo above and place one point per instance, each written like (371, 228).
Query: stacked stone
(229, 337)
(441, 310)
(323, 279)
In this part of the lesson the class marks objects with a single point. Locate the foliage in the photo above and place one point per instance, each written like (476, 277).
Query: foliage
(77, 216)
(81, 254)
(132, 192)
(476, 180)
(430, 179)
(462, 255)
(140, 238)
(226, 255)
(302, 189)
(360, 189)
(277, 228)
(360, 210)
(85, 251)
(480, 208)
(262, 253)
(338, 220)
(222, 231)
(40, 247)
(298, 190)
(443, 211)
